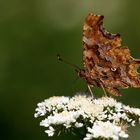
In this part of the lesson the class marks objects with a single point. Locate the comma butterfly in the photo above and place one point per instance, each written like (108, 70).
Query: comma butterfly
(107, 64)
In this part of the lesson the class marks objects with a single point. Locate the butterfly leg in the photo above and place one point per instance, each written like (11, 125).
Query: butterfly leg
(89, 88)
(103, 89)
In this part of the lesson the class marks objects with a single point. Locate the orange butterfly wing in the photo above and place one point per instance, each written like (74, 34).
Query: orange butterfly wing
(106, 63)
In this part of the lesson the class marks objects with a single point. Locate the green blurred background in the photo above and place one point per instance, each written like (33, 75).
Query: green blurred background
(32, 32)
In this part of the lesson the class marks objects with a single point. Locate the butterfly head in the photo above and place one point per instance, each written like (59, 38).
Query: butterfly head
(80, 72)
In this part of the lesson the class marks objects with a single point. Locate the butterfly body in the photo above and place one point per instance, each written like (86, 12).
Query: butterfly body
(106, 63)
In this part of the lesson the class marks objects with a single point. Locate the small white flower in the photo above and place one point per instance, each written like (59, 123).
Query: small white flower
(106, 101)
(133, 123)
(132, 110)
(102, 116)
(50, 131)
(65, 118)
(88, 137)
(41, 110)
(106, 130)
(85, 105)
(56, 102)
(78, 125)
(78, 101)
(107, 116)
(123, 134)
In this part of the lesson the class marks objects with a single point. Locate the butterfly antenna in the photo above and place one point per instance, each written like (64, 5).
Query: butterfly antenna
(60, 58)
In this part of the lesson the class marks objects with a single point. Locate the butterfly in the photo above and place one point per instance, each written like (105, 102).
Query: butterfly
(107, 64)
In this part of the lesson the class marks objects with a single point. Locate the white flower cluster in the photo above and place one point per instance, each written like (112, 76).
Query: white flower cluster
(102, 118)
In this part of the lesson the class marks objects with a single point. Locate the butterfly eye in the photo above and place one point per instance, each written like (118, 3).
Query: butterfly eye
(113, 69)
